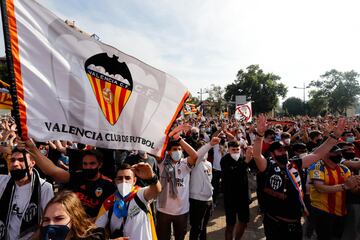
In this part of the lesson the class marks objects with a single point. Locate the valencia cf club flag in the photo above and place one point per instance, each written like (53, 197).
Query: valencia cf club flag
(68, 85)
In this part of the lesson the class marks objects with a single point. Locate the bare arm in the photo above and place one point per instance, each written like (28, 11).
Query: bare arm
(353, 165)
(350, 184)
(325, 147)
(175, 134)
(45, 164)
(260, 160)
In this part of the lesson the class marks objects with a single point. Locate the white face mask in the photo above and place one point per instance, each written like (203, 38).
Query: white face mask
(235, 156)
(124, 188)
(176, 155)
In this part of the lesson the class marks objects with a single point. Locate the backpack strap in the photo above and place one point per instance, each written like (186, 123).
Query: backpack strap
(141, 204)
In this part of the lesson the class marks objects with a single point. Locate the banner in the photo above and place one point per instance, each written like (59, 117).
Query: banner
(243, 112)
(71, 86)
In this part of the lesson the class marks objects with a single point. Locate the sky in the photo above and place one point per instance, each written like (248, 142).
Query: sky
(204, 42)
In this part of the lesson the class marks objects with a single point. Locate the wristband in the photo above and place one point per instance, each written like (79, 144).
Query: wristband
(153, 180)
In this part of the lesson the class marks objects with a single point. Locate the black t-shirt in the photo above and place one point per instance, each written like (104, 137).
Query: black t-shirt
(135, 159)
(235, 180)
(279, 195)
(91, 193)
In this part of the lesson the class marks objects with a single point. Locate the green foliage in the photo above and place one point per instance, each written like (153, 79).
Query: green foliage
(293, 106)
(335, 91)
(216, 97)
(263, 88)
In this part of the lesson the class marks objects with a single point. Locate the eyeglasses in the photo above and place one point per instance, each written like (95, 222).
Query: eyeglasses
(121, 178)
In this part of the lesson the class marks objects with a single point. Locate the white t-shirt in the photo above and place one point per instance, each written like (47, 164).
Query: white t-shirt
(20, 203)
(217, 157)
(137, 225)
(179, 205)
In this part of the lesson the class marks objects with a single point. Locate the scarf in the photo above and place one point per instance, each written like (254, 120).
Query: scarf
(32, 214)
(300, 194)
(168, 177)
(121, 203)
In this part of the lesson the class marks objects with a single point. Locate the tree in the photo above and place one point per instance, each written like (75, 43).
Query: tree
(340, 90)
(216, 98)
(293, 106)
(263, 88)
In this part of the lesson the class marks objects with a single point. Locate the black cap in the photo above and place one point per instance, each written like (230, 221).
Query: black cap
(277, 145)
(298, 146)
(335, 149)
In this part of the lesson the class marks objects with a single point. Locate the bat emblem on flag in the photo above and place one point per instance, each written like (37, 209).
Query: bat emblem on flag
(111, 82)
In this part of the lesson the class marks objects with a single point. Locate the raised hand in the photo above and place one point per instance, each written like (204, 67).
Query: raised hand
(214, 141)
(261, 124)
(340, 127)
(143, 170)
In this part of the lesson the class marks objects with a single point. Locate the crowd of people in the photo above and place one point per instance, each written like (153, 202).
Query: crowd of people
(307, 178)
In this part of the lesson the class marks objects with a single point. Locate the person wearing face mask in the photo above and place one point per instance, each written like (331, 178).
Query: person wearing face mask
(329, 182)
(352, 223)
(236, 195)
(64, 218)
(283, 202)
(89, 184)
(127, 212)
(23, 196)
(173, 202)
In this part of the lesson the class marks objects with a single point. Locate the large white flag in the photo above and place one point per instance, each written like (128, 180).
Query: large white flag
(73, 87)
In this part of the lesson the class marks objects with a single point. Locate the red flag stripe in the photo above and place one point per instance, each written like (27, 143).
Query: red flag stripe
(113, 89)
(331, 196)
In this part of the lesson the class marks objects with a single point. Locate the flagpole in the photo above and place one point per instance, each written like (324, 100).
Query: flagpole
(10, 68)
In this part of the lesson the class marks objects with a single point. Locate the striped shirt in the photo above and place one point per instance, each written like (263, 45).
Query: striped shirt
(333, 203)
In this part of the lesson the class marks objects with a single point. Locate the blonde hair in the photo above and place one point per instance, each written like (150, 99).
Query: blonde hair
(81, 225)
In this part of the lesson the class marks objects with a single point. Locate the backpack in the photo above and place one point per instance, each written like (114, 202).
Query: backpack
(120, 232)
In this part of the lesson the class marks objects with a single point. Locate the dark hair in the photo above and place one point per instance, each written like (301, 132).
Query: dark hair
(233, 144)
(16, 150)
(285, 135)
(269, 132)
(172, 144)
(124, 166)
(314, 134)
(98, 155)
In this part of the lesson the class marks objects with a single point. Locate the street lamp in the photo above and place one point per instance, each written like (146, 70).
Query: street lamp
(201, 92)
(303, 88)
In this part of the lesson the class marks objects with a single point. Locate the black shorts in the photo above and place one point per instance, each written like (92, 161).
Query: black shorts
(240, 209)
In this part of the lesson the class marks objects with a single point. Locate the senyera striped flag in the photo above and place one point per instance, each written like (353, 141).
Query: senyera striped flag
(70, 86)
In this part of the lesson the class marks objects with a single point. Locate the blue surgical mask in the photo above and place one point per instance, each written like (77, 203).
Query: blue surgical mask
(350, 139)
(54, 232)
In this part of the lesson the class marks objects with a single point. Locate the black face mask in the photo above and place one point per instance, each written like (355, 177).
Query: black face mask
(348, 155)
(195, 136)
(335, 158)
(54, 232)
(18, 174)
(222, 141)
(90, 173)
(282, 159)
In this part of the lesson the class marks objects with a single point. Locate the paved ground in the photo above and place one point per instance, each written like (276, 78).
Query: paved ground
(216, 226)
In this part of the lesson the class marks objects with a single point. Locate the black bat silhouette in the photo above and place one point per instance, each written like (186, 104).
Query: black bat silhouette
(111, 65)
